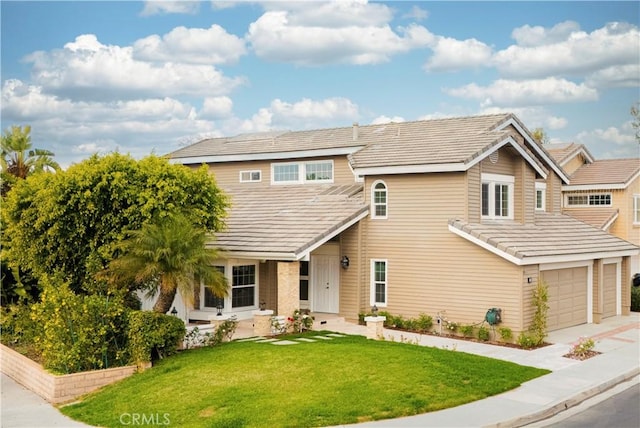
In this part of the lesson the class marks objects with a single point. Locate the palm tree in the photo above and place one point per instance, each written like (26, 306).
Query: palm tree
(19, 159)
(166, 256)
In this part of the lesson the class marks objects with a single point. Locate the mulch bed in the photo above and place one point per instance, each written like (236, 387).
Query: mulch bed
(582, 357)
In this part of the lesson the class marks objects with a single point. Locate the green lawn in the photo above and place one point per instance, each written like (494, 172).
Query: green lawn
(339, 381)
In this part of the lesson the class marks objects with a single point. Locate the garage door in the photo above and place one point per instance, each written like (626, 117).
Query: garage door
(609, 290)
(567, 297)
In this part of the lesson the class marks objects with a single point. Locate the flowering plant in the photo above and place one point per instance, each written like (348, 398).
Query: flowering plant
(452, 327)
(300, 322)
(583, 347)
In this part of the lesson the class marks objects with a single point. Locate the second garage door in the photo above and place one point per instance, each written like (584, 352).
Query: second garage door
(567, 297)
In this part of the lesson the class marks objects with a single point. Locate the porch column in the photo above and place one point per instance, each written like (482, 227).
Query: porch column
(288, 288)
(626, 285)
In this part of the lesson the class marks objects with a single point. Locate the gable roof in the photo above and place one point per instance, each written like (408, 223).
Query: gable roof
(554, 238)
(605, 174)
(563, 153)
(596, 217)
(276, 223)
(451, 144)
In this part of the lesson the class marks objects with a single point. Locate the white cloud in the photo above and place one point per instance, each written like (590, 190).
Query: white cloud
(216, 107)
(533, 117)
(505, 93)
(451, 54)
(416, 13)
(154, 7)
(87, 69)
(575, 53)
(625, 76)
(95, 147)
(538, 36)
(327, 34)
(385, 119)
(192, 45)
(611, 142)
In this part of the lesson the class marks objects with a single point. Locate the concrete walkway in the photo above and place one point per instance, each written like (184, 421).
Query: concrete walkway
(570, 383)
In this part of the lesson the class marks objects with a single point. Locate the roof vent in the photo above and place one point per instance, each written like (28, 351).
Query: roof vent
(355, 131)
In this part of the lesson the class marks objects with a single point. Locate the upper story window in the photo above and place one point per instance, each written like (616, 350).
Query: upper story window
(497, 196)
(541, 196)
(379, 200)
(250, 176)
(298, 173)
(636, 209)
(586, 200)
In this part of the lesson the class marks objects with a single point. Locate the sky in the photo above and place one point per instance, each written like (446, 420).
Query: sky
(151, 77)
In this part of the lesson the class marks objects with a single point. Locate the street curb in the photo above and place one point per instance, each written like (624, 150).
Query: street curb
(566, 403)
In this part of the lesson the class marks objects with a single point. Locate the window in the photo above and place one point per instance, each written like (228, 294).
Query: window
(379, 200)
(541, 196)
(585, 200)
(636, 209)
(379, 282)
(304, 280)
(243, 287)
(497, 196)
(296, 173)
(210, 299)
(250, 176)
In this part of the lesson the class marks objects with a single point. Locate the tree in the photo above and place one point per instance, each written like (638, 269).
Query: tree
(19, 159)
(540, 136)
(635, 123)
(167, 256)
(71, 222)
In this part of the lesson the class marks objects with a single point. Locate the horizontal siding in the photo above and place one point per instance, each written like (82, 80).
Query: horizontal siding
(431, 269)
(350, 289)
(228, 174)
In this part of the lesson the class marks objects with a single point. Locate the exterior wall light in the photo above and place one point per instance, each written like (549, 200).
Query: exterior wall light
(174, 312)
(344, 262)
(219, 308)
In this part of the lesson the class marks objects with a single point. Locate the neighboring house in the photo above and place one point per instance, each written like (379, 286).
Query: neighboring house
(412, 217)
(603, 193)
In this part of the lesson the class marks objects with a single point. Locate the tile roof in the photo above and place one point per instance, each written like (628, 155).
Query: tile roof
(615, 172)
(596, 217)
(562, 153)
(553, 238)
(279, 223)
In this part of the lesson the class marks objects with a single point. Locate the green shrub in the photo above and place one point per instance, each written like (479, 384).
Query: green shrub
(635, 299)
(527, 340)
(483, 333)
(80, 333)
(424, 323)
(467, 330)
(538, 327)
(153, 335)
(18, 328)
(505, 334)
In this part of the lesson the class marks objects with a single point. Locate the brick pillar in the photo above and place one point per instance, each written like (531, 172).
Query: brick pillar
(262, 322)
(374, 327)
(288, 288)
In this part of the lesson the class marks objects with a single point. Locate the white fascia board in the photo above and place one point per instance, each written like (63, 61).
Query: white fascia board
(597, 187)
(608, 224)
(564, 258)
(582, 151)
(342, 151)
(519, 149)
(304, 254)
(535, 147)
(411, 169)
(449, 167)
(486, 246)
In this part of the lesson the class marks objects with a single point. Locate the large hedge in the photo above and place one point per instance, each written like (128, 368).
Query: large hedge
(69, 222)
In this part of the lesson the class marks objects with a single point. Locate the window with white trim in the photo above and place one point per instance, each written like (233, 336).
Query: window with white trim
(250, 176)
(589, 200)
(379, 200)
(379, 285)
(541, 196)
(497, 196)
(298, 173)
(636, 209)
(243, 286)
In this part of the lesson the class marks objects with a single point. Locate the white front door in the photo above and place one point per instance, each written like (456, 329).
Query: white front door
(325, 282)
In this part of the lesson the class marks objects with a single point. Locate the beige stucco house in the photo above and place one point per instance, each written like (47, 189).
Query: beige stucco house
(603, 193)
(458, 215)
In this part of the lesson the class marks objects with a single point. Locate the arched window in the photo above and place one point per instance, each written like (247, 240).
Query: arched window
(379, 200)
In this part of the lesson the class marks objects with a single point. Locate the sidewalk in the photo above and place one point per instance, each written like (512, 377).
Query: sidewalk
(570, 383)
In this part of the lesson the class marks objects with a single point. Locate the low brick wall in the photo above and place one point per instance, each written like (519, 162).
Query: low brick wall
(57, 388)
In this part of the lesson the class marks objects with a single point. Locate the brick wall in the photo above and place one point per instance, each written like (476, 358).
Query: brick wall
(54, 388)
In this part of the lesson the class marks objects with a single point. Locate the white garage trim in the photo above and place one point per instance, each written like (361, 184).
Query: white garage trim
(567, 265)
(618, 262)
